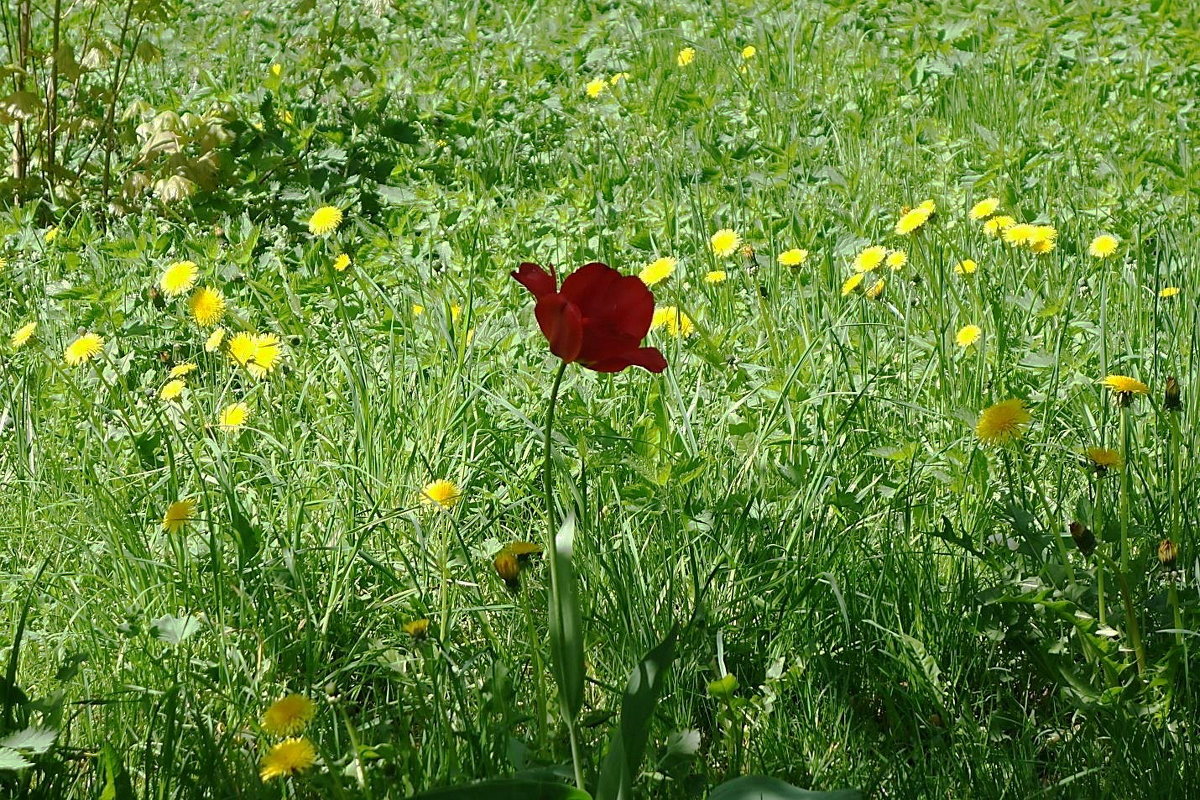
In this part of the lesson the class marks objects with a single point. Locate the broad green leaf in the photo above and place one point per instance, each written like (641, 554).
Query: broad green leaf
(34, 740)
(174, 630)
(628, 745)
(757, 787)
(566, 626)
(11, 759)
(117, 785)
(507, 790)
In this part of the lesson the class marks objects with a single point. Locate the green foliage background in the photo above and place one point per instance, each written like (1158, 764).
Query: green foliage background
(808, 457)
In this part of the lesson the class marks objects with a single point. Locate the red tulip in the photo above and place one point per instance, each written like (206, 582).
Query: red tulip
(598, 318)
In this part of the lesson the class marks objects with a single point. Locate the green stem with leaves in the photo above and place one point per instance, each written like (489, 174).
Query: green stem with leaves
(551, 545)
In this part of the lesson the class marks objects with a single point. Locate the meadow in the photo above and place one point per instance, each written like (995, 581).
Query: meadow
(301, 498)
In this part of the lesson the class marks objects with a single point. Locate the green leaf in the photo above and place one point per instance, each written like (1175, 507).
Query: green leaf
(174, 630)
(34, 740)
(628, 745)
(11, 759)
(249, 543)
(566, 625)
(117, 785)
(507, 790)
(757, 787)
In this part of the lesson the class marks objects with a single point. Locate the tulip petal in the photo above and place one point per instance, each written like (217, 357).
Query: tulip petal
(534, 278)
(562, 325)
(648, 358)
(610, 301)
(590, 284)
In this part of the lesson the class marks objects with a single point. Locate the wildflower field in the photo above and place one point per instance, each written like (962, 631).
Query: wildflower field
(658, 399)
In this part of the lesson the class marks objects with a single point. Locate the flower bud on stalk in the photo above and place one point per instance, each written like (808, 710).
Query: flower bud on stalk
(1171, 400)
(1168, 553)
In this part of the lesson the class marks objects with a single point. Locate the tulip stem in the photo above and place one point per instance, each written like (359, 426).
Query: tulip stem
(548, 488)
(548, 466)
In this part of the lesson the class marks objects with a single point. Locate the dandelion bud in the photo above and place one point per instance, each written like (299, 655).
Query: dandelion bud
(1168, 553)
(418, 628)
(1085, 540)
(508, 568)
(1171, 400)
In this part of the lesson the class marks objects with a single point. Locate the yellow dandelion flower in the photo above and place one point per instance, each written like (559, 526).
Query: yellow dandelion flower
(341, 262)
(287, 758)
(998, 225)
(266, 354)
(50, 235)
(241, 348)
(658, 270)
(83, 349)
(455, 312)
(1021, 233)
(596, 87)
(749, 51)
(852, 283)
(441, 492)
(676, 322)
(914, 219)
(1103, 245)
(1103, 459)
(685, 56)
(178, 278)
(965, 267)
(1003, 422)
(793, 258)
(258, 354)
(21, 336)
(984, 208)
(1042, 238)
(179, 513)
(1042, 233)
(325, 220)
(417, 628)
(418, 309)
(870, 259)
(213, 343)
(620, 76)
(876, 290)
(897, 259)
(1166, 291)
(233, 416)
(288, 715)
(207, 306)
(276, 70)
(1124, 385)
(172, 390)
(725, 242)
(182, 370)
(716, 276)
(967, 335)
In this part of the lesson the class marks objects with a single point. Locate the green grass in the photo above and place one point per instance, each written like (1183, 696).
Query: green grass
(805, 476)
